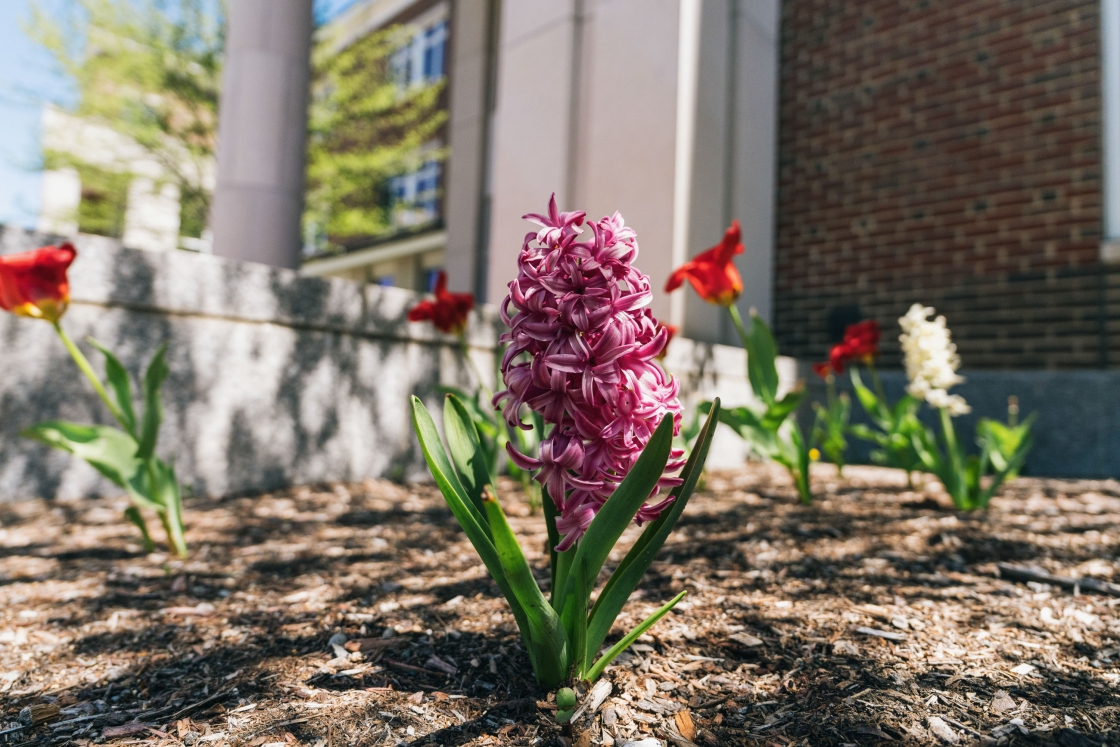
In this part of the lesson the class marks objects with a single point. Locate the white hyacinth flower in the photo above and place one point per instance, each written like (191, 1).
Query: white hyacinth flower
(931, 360)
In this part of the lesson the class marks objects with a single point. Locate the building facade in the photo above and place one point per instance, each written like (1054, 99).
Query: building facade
(963, 154)
(949, 153)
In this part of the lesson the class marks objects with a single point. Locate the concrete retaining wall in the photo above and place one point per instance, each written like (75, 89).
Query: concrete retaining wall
(276, 379)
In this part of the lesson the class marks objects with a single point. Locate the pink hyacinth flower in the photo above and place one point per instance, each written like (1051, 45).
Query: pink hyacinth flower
(581, 351)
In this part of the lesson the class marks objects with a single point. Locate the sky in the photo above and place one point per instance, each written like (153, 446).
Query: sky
(28, 79)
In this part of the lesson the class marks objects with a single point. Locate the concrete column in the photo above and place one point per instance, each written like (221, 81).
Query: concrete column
(262, 131)
(532, 118)
(466, 205)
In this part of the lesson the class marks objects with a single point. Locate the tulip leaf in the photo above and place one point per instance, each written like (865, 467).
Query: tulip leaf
(548, 645)
(132, 514)
(166, 493)
(110, 451)
(121, 385)
(153, 408)
(630, 571)
(461, 506)
(605, 529)
(466, 451)
(613, 652)
(762, 355)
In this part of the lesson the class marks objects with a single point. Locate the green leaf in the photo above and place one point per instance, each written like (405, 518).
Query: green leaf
(874, 408)
(633, 567)
(110, 451)
(605, 529)
(613, 652)
(167, 494)
(762, 354)
(548, 641)
(466, 451)
(777, 413)
(153, 408)
(549, 509)
(132, 514)
(468, 516)
(121, 385)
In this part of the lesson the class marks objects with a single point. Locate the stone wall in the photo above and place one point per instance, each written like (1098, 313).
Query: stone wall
(276, 379)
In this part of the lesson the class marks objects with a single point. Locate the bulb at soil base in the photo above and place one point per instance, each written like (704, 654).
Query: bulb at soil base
(565, 698)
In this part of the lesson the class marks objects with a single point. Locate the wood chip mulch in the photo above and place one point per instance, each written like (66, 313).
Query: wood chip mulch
(359, 615)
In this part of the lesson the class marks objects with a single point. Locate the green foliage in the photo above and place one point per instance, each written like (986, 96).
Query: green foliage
(831, 426)
(966, 477)
(124, 455)
(151, 70)
(363, 129)
(104, 201)
(894, 427)
(771, 431)
(562, 639)
(1003, 442)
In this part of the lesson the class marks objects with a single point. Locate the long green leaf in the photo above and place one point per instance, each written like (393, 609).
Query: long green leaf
(633, 567)
(132, 514)
(762, 355)
(604, 531)
(167, 493)
(110, 451)
(153, 408)
(613, 652)
(548, 641)
(466, 451)
(121, 385)
(461, 506)
(548, 508)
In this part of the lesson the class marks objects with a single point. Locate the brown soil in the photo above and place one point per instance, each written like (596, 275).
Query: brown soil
(780, 641)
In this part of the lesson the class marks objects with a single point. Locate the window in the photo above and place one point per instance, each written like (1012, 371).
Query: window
(421, 59)
(415, 196)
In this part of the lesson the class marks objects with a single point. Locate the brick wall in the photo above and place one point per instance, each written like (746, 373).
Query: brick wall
(947, 152)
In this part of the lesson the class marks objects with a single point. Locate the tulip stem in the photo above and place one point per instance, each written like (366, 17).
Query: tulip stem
(738, 320)
(84, 364)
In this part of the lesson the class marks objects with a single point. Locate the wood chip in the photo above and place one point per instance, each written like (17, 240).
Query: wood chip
(746, 639)
(1002, 702)
(942, 730)
(125, 730)
(685, 725)
(890, 635)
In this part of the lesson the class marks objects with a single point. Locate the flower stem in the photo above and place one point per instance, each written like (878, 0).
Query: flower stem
(877, 382)
(733, 310)
(84, 364)
(960, 489)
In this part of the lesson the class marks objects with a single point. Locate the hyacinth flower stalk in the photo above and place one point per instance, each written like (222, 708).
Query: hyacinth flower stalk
(35, 284)
(450, 313)
(771, 429)
(580, 354)
(931, 368)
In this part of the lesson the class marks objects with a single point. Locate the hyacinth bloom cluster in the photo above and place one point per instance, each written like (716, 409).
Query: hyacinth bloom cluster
(582, 346)
(931, 359)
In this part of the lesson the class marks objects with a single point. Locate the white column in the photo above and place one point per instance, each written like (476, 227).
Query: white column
(261, 132)
(688, 67)
(1110, 127)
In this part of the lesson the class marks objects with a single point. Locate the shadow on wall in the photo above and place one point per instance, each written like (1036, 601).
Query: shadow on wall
(275, 378)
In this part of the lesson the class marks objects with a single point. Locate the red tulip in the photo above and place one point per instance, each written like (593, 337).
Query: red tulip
(448, 312)
(34, 283)
(824, 370)
(862, 340)
(713, 274)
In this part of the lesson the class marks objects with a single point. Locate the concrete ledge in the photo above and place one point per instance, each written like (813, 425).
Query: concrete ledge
(276, 378)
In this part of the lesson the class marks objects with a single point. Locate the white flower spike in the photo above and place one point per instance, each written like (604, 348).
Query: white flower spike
(931, 360)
